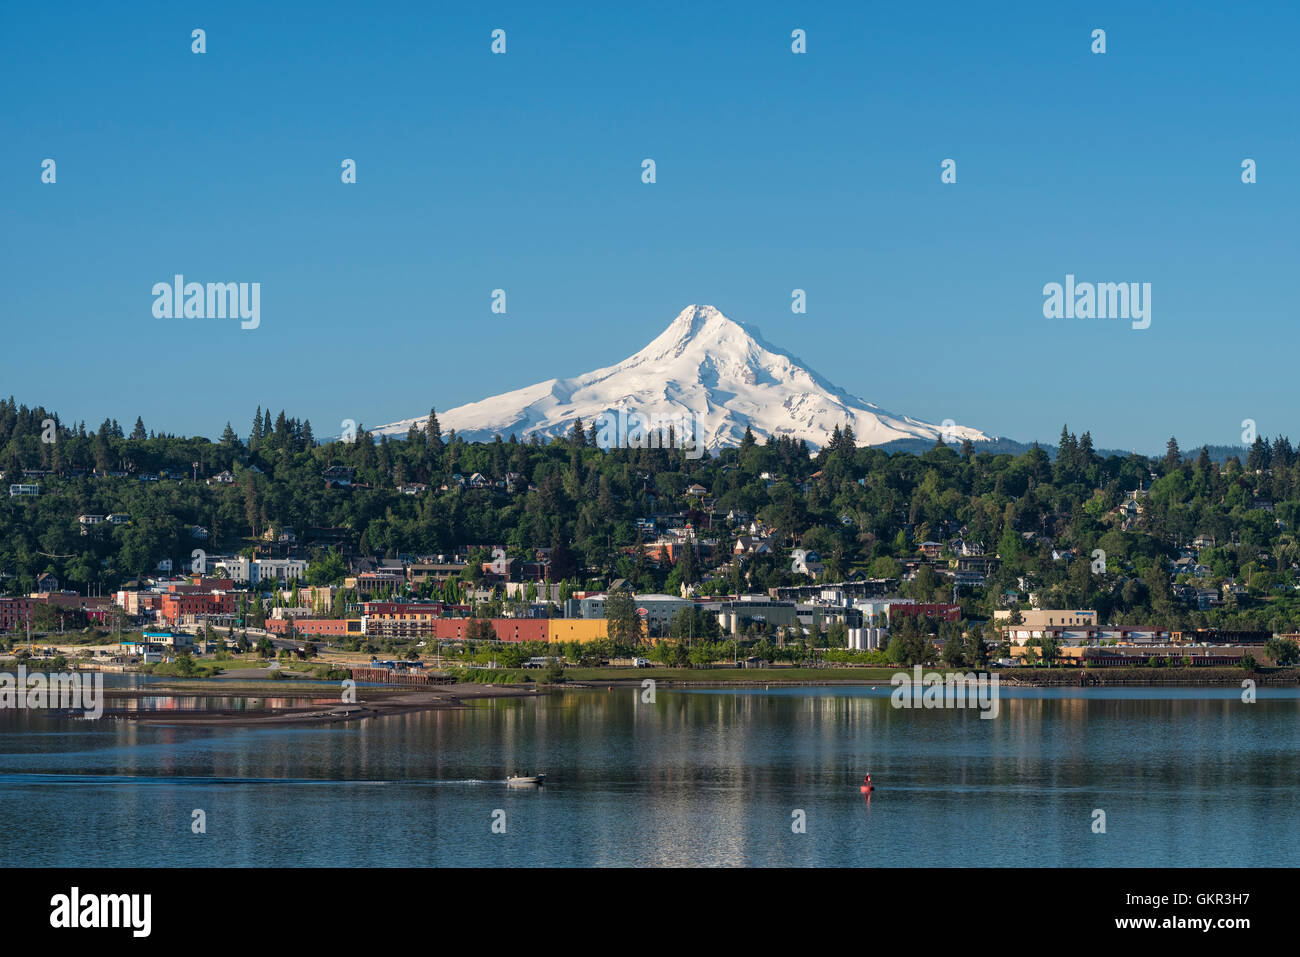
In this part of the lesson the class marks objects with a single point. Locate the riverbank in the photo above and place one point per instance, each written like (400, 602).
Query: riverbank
(670, 677)
(1118, 677)
(372, 702)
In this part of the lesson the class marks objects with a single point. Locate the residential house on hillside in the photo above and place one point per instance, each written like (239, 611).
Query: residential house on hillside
(753, 545)
(1234, 590)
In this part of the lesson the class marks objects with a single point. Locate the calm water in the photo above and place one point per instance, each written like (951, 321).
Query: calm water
(1186, 777)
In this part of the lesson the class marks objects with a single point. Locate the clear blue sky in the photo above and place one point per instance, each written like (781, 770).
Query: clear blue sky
(775, 171)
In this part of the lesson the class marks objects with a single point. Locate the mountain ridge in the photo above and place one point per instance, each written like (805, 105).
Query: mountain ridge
(720, 375)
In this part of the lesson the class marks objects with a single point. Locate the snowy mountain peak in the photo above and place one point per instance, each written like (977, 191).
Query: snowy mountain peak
(703, 325)
(706, 367)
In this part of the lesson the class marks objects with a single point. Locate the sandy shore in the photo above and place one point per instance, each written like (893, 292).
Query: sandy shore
(370, 703)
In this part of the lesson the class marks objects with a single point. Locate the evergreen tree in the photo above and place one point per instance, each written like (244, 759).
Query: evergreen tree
(1087, 456)
(1173, 457)
(1260, 456)
(256, 434)
(1067, 450)
(432, 430)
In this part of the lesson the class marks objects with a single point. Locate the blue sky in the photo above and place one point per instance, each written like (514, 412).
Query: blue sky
(775, 171)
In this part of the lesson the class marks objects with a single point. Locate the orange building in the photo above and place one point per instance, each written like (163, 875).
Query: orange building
(577, 629)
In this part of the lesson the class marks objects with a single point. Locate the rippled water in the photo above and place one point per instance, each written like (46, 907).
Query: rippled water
(1185, 777)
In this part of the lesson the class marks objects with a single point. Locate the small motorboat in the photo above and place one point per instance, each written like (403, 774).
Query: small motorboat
(525, 780)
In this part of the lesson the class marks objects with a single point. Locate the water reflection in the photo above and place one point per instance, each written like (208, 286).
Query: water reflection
(697, 777)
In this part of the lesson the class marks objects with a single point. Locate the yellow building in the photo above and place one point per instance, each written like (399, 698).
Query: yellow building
(576, 629)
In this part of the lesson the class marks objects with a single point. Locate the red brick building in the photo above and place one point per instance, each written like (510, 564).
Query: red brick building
(15, 613)
(507, 629)
(331, 627)
(175, 609)
(942, 611)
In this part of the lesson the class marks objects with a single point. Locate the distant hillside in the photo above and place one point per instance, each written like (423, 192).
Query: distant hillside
(1219, 454)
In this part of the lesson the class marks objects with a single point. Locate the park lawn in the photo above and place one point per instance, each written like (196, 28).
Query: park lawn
(235, 662)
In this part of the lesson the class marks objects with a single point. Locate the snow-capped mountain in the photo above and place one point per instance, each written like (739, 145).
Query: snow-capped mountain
(714, 370)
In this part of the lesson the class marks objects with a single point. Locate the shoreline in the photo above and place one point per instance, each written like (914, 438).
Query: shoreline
(376, 701)
(379, 702)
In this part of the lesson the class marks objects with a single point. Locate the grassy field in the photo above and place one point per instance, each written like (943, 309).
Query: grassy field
(236, 662)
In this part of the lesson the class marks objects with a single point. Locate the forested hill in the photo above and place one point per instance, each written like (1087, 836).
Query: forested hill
(864, 511)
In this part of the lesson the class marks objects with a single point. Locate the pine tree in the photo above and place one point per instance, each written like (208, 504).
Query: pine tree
(432, 430)
(282, 435)
(1067, 451)
(687, 563)
(1087, 456)
(1260, 455)
(1173, 457)
(256, 434)
(138, 434)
